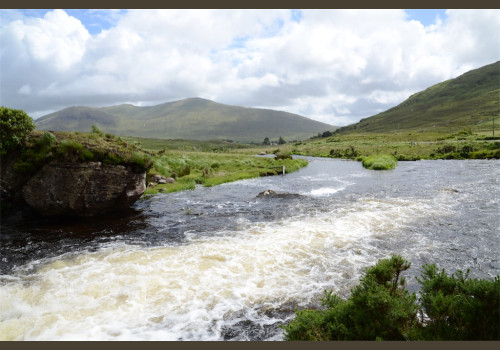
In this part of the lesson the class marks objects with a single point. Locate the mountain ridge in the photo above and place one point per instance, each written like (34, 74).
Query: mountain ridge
(192, 118)
(470, 99)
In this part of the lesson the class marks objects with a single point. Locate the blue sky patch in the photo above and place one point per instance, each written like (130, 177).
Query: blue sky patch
(296, 15)
(426, 16)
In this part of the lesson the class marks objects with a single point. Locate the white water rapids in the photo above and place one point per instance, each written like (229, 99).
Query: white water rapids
(230, 283)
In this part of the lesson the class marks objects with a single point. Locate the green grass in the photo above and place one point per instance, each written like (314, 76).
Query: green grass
(407, 146)
(44, 147)
(379, 162)
(211, 169)
(184, 145)
(470, 100)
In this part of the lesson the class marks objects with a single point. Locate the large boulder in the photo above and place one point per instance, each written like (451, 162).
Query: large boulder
(83, 189)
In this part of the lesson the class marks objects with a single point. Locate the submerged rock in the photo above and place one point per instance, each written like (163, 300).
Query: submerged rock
(83, 189)
(273, 194)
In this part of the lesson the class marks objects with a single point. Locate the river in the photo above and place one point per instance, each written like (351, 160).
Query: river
(222, 264)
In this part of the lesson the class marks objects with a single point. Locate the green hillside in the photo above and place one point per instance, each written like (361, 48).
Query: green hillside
(193, 118)
(470, 100)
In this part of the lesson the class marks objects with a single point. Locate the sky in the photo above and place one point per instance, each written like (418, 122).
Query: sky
(333, 66)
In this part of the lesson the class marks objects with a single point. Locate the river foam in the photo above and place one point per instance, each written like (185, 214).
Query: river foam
(195, 290)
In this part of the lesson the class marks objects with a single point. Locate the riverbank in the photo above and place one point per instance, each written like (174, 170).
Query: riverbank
(208, 169)
(404, 146)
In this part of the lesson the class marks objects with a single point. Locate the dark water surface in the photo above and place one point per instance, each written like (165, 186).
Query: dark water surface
(219, 263)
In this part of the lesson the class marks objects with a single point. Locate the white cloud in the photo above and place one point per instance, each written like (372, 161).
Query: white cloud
(57, 39)
(337, 66)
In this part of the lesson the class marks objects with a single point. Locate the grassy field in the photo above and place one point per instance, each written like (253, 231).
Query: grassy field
(184, 145)
(207, 163)
(210, 168)
(464, 144)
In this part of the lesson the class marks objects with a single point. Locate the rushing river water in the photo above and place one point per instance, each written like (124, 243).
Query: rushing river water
(221, 264)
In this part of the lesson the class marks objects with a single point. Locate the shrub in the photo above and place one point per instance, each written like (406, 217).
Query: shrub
(113, 159)
(380, 308)
(282, 155)
(349, 152)
(15, 127)
(86, 155)
(446, 149)
(140, 162)
(47, 139)
(206, 172)
(404, 157)
(459, 308)
(380, 162)
(95, 130)
(68, 147)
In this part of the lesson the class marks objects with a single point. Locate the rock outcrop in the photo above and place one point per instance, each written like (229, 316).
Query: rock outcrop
(83, 189)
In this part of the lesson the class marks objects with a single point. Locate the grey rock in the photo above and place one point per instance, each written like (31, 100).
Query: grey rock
(83, 189)
(273, 194)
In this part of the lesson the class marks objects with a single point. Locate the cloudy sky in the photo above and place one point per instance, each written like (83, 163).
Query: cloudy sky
(335, 66)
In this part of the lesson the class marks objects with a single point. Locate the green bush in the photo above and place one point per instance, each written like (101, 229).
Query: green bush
(47, 140)
(282, 155)
(70, 146)
(112, 159)
(95, 130)
(446, 149)
(350, 153)
(459, 308)
(404, 157)
(140, 162)
(379, 162)
(207, 172)
(86, 155)
(15, 127)
(380, 308)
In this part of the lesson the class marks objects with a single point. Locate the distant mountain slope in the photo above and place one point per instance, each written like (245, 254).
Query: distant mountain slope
(465, 101)
(192, 118)
(77, 119)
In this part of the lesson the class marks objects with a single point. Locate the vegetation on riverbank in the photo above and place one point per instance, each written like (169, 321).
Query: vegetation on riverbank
(379, 162)
(209, 163)
(43, 147)
(450, 307)
(407, 146)
(212, 168)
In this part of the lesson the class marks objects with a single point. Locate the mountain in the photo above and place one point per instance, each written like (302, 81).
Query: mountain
(192, 118)
(469, 100)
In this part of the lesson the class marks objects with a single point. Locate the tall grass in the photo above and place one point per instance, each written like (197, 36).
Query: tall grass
(379, 162)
